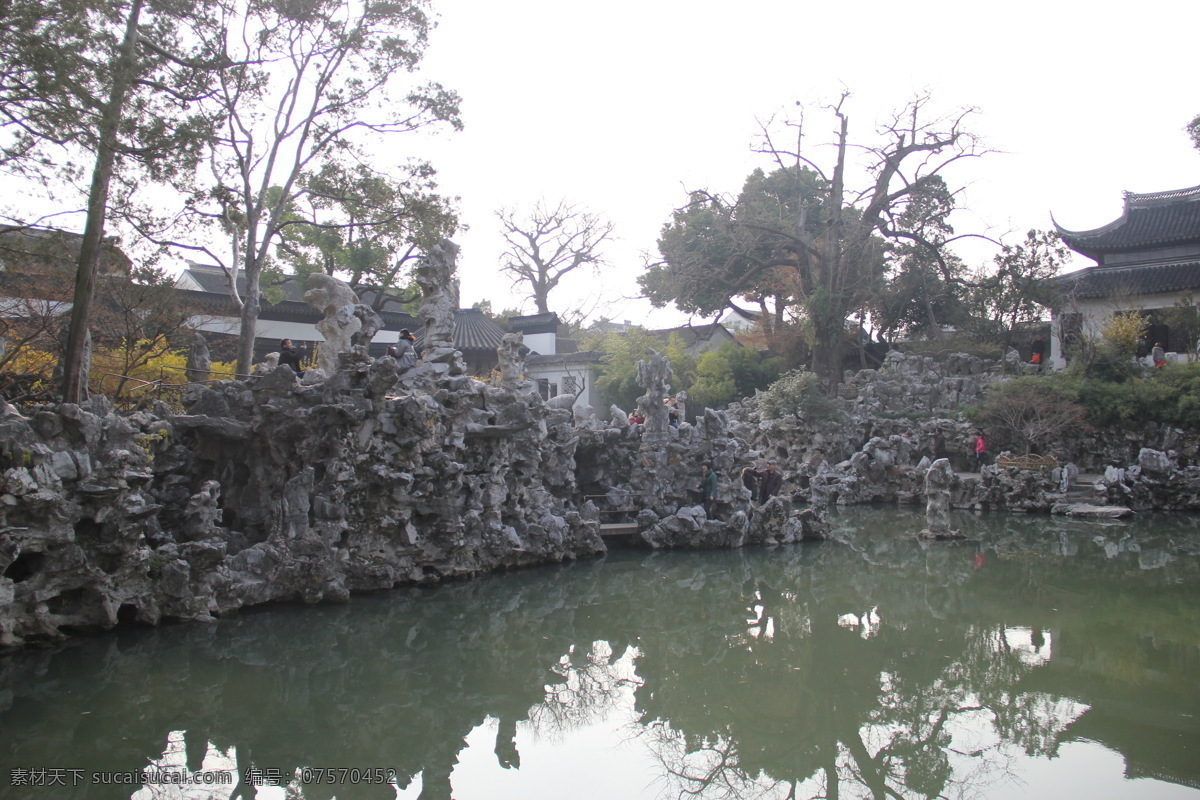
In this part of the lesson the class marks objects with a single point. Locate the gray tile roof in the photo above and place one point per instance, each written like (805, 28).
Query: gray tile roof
(1132, 280)
(692, 333)
(581, 357)
(535, 323)
(1160, 219)
(472, 330)
(214, 280)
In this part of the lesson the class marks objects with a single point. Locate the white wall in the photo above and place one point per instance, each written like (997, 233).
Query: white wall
(555, 374)
(543, 343)
(1097, 312)
(277, 329)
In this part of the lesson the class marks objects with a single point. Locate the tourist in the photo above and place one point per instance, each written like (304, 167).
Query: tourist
(636, 418)
(404, 353)
(750, 481)
(980, 449)
(672, 411)
(291, 356)
(1039, 352)
(708, 490)
(1158, 356)
(770, 481)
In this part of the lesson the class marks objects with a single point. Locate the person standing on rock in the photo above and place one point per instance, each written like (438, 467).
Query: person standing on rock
(770, 481)
(291, 356)
(980, 449)
(750, 481)
(708, 490)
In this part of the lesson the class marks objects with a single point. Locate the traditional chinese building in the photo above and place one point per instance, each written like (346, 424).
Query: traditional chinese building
(1147, 260)
(288, 316)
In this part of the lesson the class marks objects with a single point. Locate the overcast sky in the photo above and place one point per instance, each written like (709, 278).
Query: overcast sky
(620, 107)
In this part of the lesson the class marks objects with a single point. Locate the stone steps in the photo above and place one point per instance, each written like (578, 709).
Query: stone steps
(1083, 489)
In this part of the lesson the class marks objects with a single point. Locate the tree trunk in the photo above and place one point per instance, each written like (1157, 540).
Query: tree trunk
(249, 319)
(74, 384)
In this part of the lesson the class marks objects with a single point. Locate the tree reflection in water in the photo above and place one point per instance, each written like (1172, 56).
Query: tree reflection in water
(590, 692)
(870, 666)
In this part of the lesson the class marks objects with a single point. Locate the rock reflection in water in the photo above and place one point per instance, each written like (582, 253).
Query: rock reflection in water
(871, 665)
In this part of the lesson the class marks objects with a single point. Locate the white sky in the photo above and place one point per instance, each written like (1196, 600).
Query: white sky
(622, 106)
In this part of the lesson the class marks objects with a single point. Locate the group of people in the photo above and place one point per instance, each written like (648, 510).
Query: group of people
(636, 417)
(404, 351)
(763, 484)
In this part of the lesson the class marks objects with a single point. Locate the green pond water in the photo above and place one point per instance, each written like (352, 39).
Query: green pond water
(1043, 657)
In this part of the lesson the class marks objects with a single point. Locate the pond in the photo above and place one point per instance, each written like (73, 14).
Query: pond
(1043, 657)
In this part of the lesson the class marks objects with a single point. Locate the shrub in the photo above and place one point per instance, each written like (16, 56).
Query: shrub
(1123, 329)
(1170, 396)
(800, 393)
(1032, 410)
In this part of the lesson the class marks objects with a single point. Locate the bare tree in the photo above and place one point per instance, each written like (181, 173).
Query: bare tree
(549, 243)
(313, 84)
(836, 258)
(809, 241)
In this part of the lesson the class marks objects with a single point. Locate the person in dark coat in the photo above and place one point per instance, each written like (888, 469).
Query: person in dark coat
(750, 481)
(291, 356)
(770, 481)
(708, 490)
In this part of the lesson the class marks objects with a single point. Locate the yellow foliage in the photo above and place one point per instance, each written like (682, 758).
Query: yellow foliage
(120, 373)
(29, 361)
(1124, 328)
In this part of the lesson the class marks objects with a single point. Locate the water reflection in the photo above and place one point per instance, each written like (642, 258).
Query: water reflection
(869, 666)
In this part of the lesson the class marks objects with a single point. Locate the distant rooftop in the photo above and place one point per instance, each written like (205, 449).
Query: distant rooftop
(209, 286)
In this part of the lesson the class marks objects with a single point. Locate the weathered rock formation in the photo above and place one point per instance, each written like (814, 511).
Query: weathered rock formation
(938, 480)
(339, 303)
(439, 290)
(267, 490)
(650, 471)
(898, 420)
(199, 361)
(273, 488)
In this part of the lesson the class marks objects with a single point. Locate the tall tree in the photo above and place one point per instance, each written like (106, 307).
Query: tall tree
(1017, 288)
(122, 80)
(315, 84)
(549, 243)
(800, 242)
(925, 283)
(366, 228)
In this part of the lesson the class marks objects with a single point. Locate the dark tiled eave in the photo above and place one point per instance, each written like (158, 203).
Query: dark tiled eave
(1162, 219)
(286, 310)
(564, 359)
(1115, 281)
(535, 323)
